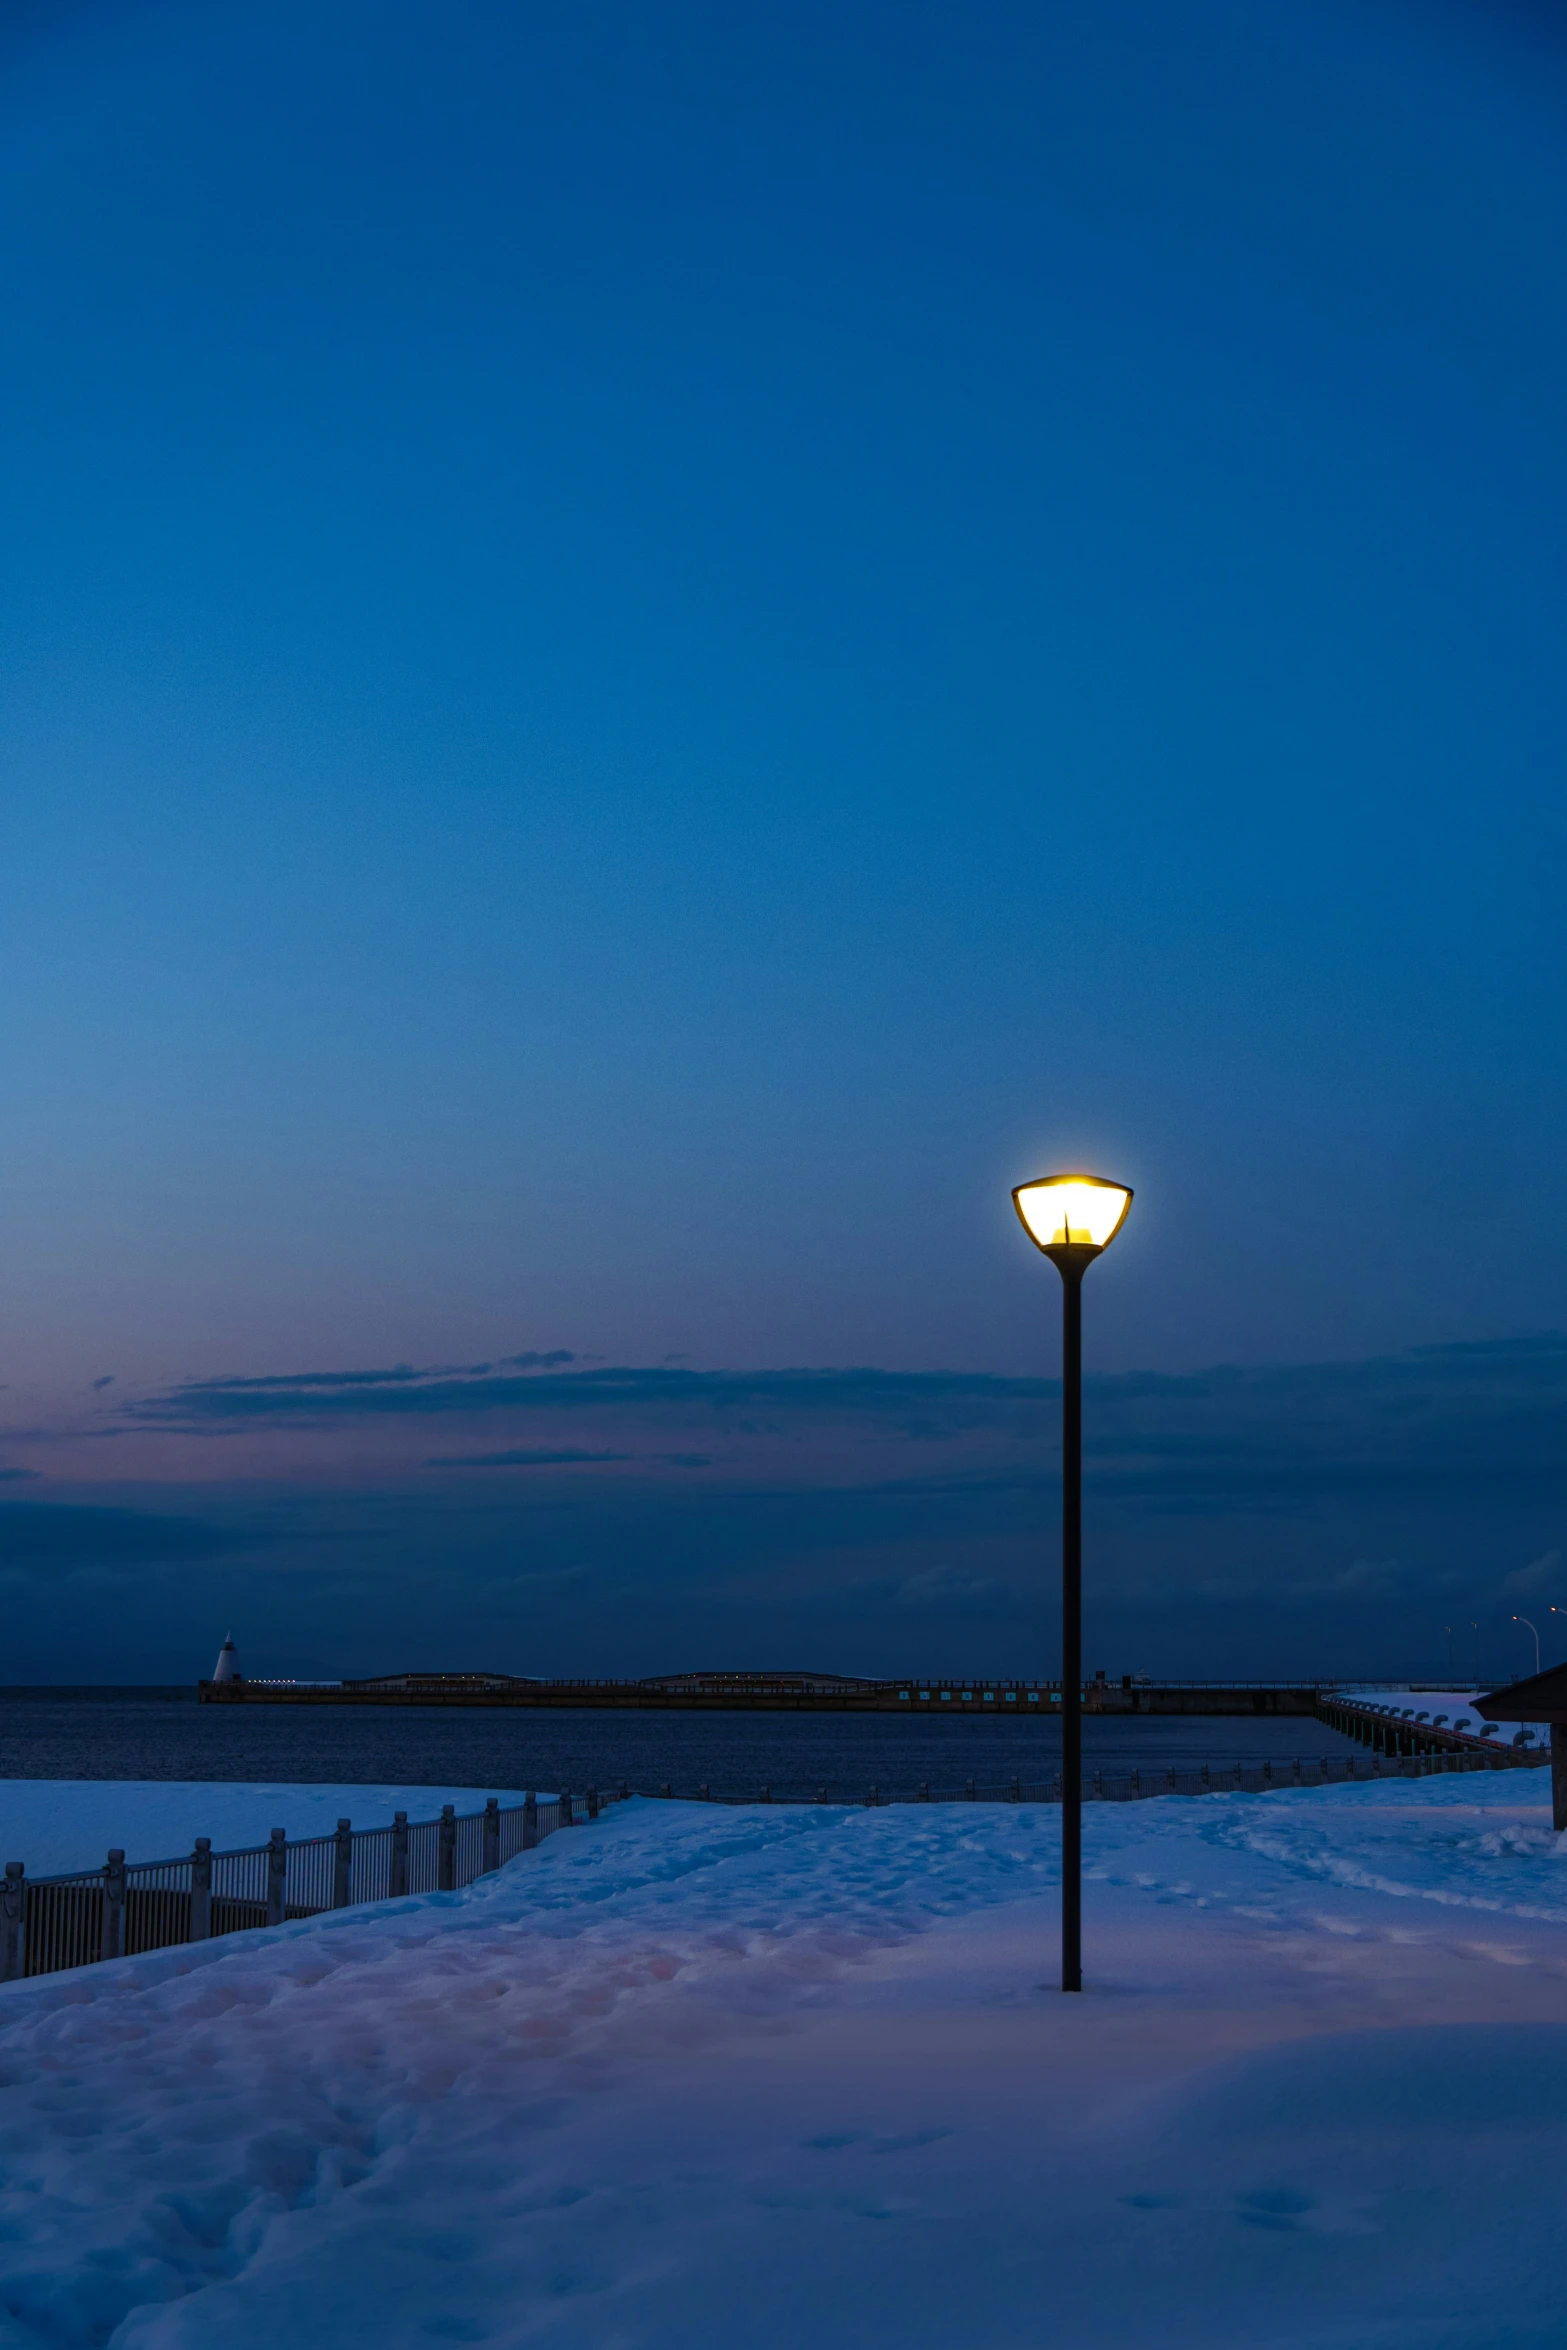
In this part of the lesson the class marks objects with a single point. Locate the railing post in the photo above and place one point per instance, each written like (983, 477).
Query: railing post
(343, 1865)
(593, 1803)
(492, 1835)
(13, 1916)
(112, 1941)
(1016, 1795)
(446, 1851)
(277, 1875)
(399, 1883)
(564, 1800)
(201, 1890)
(530, 1821)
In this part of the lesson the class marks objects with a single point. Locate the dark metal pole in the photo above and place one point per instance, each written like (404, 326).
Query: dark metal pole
(1071, 1626)
(1101, 1208)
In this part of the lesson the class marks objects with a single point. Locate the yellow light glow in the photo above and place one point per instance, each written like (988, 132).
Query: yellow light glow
(1072, 1210)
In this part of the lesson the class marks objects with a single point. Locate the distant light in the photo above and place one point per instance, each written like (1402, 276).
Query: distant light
(1072, 1211)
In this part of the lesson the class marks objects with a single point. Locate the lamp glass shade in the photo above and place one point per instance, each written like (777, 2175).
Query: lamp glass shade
(1072, 1211)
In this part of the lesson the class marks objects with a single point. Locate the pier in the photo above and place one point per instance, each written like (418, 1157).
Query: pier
(1395, 1723)
(784, 1692)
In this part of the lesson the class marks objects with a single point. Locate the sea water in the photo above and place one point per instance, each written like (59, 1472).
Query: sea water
(165, 1734)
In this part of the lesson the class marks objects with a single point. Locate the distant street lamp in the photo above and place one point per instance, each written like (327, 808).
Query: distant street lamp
(1524, 1620)
(1072, 1219)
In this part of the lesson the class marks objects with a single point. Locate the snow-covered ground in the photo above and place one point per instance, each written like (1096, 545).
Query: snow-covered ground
(52, 1825)
(711, 2079)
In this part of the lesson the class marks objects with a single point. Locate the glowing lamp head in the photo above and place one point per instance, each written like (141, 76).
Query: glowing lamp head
(1072, 1217)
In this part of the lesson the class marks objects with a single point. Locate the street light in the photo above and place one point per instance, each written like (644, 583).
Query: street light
(1072, 1219)
(1525, 1621)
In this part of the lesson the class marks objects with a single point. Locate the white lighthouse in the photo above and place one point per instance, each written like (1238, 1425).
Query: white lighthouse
(227, 1666)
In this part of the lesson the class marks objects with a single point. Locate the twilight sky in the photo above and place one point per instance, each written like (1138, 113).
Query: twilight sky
(645, 653)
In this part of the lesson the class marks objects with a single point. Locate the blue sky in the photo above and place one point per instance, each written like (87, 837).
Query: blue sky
(645, 654)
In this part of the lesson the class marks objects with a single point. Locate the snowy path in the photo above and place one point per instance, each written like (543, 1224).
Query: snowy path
(702, 2077)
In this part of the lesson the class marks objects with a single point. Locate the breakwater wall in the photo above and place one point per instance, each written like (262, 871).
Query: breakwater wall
(908, 1696)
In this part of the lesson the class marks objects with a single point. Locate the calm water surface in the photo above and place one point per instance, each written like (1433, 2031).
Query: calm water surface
(165, 1734)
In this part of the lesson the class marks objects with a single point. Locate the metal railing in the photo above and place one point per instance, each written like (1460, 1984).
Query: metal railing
(1100, 1786)
(127, 1907)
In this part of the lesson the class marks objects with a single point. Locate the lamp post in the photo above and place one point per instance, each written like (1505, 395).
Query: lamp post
(1071, 1219)
(1529, 1627)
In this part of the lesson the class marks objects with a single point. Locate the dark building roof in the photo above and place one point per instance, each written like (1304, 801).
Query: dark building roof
(1542, 1698)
